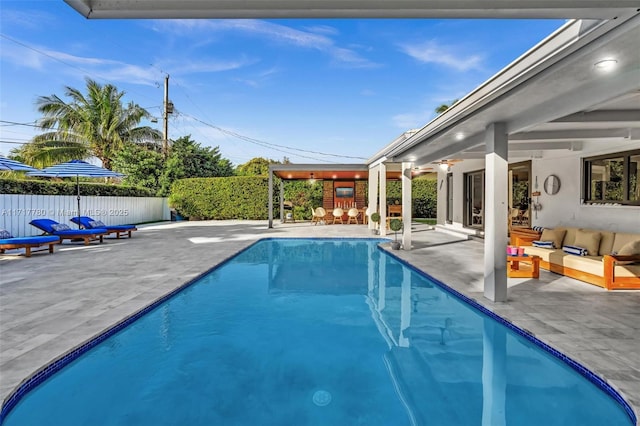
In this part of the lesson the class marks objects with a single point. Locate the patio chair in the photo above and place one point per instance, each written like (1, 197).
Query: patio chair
(86, 222)
(337, 215)
(63, 231)
(317, 215)
(9, 242)
(353, 214)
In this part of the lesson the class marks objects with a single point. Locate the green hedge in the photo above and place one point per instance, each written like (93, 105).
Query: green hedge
(423, 194)
(246, 197)
(237, 197)
(40, 187)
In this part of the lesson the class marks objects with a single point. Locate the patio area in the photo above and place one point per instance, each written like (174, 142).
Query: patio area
(50, 304)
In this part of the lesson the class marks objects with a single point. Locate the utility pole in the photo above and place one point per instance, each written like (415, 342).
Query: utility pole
(168, 109)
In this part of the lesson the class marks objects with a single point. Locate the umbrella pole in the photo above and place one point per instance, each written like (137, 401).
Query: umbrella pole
(78, 185)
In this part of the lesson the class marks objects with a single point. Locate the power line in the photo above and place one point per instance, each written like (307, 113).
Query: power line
(268, 144)
(15, 123)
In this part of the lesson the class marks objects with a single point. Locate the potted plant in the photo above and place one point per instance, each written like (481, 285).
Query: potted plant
(375, 218)
(395, 225)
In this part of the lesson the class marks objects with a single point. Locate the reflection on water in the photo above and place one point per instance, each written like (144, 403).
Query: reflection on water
(455, 366)
(289, 332)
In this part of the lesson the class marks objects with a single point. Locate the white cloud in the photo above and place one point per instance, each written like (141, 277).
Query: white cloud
(316, 38)
(41, 58)
(432, 52)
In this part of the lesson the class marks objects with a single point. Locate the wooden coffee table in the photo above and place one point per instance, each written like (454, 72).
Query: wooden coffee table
(531, 267)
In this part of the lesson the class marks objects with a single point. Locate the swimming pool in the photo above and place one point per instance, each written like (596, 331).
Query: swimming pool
(313, 332)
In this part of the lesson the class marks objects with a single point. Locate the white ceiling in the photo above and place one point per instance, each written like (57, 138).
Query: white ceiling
(592, 9)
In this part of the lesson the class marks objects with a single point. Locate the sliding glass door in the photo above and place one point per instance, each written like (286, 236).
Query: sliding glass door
(474, 199)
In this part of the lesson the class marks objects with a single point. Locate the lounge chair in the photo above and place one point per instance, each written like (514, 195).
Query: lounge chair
(86, 222)
(63, 231)
(9, 242)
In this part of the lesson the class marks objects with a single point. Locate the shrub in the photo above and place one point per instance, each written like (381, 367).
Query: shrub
(236, 197)
(41, 187)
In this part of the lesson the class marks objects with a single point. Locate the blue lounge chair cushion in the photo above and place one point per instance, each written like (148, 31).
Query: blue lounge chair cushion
(43, 239)
(46, 225)
(89, 223)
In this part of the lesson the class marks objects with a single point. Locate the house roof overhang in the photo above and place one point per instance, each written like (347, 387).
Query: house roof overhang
(552, 97)
(547, 9)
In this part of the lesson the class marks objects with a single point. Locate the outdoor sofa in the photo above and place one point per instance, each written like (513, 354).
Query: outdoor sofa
(605, 258)
(9, 242)
(86, 222)
(51, 227)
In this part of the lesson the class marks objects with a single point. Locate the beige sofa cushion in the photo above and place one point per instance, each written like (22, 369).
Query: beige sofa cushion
(589, 264)
(621, 239)
(555, 235)
(589, 240)
(606, 242)
(629, 249)
(569, 236)
(542, 252)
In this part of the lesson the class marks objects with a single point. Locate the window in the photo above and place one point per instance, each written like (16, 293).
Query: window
(612, 178)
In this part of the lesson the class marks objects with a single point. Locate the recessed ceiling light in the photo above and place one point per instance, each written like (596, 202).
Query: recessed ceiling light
(606, 64)
(459, 136)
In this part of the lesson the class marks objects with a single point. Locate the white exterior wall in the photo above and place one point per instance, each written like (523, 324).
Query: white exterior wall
(17, 210)
(565, 207)
(562, 209)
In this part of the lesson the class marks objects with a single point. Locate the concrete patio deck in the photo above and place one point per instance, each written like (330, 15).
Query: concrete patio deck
(52, 303)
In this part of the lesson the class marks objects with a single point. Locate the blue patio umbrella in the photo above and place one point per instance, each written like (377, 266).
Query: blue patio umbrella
(7, 164)
(76, 168)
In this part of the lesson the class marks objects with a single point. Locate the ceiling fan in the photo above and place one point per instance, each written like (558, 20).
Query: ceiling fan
(445, 165)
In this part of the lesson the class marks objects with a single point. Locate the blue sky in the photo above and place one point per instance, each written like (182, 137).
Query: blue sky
(343, 87)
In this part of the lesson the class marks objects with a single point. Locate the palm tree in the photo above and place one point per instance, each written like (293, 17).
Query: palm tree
(442, 108)
(93, 124)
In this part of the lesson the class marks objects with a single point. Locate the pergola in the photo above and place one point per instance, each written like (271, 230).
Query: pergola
(335, 172)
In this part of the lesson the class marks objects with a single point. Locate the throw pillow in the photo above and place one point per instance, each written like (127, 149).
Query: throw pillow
(96, 224)
(589, 240)
(556, 236)
(578, 251)
(542, 244)
(630, 249)
(60, 227)
(5, 235)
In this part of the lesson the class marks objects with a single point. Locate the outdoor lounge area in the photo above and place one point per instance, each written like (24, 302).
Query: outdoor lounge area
(597, 328)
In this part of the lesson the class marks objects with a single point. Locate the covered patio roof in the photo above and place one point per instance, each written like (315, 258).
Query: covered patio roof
(548, 9)
(558, 95)
(335, 171)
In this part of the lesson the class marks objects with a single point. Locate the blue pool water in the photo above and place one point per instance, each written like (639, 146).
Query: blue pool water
(316, 332)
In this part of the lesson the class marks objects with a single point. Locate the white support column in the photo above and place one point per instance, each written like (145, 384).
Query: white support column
(406, 205)
(383, 199)
(373, 193)
(495, 216)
